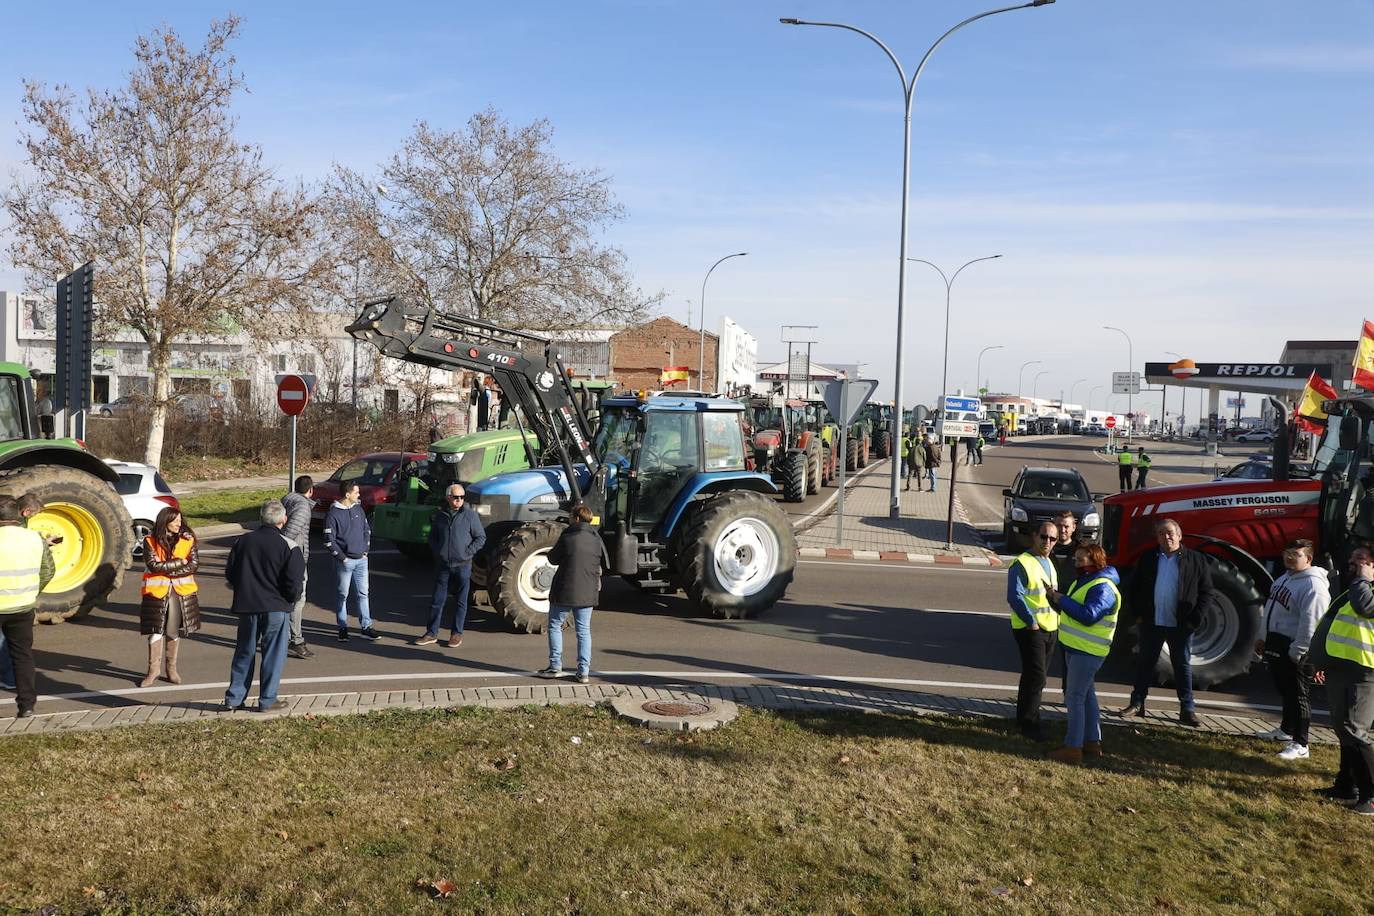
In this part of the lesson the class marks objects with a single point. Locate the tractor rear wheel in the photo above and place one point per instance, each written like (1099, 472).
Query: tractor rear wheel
(96, 531)
(519, 575)
(736, 554)
(851, 455)
(1224, 645)
(794, 469)
(815, 473)
(883, 444)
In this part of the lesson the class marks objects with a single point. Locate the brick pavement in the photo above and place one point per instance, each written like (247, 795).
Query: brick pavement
(802, 698)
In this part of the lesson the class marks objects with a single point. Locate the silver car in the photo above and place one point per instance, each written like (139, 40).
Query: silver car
(145, 494)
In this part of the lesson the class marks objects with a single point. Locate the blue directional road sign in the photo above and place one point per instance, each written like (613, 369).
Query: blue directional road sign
(961, 405)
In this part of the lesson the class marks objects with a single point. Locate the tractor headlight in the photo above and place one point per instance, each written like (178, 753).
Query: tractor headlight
(482, 509)
(453, 457)
(1018, 514)
(1092, 520)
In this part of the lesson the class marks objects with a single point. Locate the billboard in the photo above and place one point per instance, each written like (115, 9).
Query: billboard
(738, 357)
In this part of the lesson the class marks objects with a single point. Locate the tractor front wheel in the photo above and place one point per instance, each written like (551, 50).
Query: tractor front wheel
(520, 575)
(736, 554)
(794, 472)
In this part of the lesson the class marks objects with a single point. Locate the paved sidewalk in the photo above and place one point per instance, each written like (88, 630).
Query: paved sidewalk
(761, 696)
(918, 536)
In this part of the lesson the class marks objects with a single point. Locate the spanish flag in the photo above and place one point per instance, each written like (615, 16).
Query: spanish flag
(1311, 416)
(1364, 358)
(671, 375)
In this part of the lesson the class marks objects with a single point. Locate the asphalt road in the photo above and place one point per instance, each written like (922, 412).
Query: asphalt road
(879, 624)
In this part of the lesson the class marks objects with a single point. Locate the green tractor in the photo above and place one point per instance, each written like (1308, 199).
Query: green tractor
(878, 416)
(90, 530)
(458, 459)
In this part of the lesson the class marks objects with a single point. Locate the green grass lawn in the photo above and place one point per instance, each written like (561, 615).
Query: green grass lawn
(220, 507)
(799, 814)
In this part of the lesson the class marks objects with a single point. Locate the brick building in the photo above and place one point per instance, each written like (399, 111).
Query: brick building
(640, 353)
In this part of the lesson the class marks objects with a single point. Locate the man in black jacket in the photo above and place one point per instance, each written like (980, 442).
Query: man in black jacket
(267, 573)
(1170, 592)
(455, 536)
(580, 556)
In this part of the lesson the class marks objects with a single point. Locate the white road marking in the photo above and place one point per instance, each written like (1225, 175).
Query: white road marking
(907, 567)
(764, 676)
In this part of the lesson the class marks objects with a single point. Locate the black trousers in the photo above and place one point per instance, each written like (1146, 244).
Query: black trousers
(1123, 473)
(1294, 684)
(1140, 478)
(19, 640)
(1350, 696)
(1036, 648)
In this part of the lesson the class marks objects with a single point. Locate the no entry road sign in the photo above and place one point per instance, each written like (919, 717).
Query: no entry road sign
(292, 395)
(1111, 422)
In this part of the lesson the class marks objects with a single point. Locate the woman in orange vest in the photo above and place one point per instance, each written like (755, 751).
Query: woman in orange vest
(170, 606)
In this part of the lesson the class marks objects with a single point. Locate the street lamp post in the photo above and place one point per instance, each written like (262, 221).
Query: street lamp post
(1021, 376)
(908, 94)
(701, 336)
(1096, 388)
(978, 377)
(1035, 382)
(1130, 367)
(949, 286)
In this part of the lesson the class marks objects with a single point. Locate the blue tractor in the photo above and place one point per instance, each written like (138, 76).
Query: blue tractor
(665, 476)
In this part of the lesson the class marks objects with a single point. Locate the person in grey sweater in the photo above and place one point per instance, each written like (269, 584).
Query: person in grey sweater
(297, 504)
(1297, 601)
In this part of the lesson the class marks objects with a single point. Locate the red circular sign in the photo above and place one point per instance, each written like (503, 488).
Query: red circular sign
(292, 395)
(1111, 422)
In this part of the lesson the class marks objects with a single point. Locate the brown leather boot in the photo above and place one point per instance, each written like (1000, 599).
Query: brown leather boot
(172, 646)
(1071, 755)
(154, 664)
(1092, 748)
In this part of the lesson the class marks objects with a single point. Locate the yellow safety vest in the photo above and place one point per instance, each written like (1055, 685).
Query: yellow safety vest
(1351, 636)
(1124, 458)
(156, 584)
(906, 446)
(1144, 462)
(1037, 601)
(1095, 639)
(21, 562)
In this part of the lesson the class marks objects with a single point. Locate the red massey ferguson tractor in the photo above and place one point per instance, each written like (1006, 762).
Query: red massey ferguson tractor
(787, 447)
(1242, 527)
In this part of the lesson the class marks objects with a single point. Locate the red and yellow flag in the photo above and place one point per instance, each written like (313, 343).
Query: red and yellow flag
(1364, 358)
(671, 375)
(1310, 407)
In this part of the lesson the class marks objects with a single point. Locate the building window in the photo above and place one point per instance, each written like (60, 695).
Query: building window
(391, 400)
(308, 363)
(279, 364)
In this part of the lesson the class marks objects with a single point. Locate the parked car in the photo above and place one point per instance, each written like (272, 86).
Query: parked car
(1256, 435)
(1263, 469)
(1037, 495)
(145, 494)
(126, 406)
(987, 430)
(375, 473)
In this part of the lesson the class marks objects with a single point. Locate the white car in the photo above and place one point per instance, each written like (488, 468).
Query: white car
(145, 494)
(1256, 435)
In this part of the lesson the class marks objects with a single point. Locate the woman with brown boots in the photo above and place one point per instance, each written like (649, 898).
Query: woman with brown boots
(170, 606)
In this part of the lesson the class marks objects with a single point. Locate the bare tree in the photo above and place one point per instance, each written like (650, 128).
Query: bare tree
(192, 235)
(488, 222)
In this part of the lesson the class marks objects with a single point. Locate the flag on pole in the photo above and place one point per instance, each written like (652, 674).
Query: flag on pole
(1364, 358)
(1310, 414)
(671, 375)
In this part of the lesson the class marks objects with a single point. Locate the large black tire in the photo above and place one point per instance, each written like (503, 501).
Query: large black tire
(794, 472)
(736, 554)
(864, 445)
(815, 473)
(882, 443)
(519, 575)
(75, 502)
(417, 552)
(1224, 646)
(851, 455)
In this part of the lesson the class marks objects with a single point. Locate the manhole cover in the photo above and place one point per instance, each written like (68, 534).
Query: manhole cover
(675, 708)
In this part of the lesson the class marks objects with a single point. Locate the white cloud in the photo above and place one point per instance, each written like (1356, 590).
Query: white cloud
(1303, 59)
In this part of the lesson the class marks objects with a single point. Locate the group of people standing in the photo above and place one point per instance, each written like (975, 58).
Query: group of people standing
(1125, 461)
(1308, 639)
(920, 459)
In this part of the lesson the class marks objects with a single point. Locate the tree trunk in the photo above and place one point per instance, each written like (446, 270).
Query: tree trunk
(159, 361)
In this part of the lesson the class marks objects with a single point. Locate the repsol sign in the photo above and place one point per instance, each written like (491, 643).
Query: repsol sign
(1294, 372)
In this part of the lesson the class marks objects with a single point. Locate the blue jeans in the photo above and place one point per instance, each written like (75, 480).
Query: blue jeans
(352, 573)
(1080, 697)
(582, 621)
(930, 475)
(274, 628)
(1180, 643)
(450, 578)
(6, 666)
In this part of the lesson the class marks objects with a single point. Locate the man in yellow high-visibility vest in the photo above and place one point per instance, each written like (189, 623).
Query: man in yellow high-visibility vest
(1345, 662)
(1034, 623)
(1124, 460)
(26, 566)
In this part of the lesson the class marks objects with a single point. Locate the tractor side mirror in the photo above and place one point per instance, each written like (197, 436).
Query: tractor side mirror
(1006, 491)
(1350, 433)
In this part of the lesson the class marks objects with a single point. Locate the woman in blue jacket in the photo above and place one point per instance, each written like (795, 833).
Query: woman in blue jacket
(1087, 621)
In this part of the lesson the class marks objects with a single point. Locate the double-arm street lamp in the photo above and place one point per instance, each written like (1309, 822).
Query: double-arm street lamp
(949, 286)
(978, 377)
(1096, 388)
(908, 94)
(701, 336)
(1130, 367)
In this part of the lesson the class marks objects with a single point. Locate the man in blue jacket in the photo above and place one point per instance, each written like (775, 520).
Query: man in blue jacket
(267, 573)
(347, 536)
(455, 536)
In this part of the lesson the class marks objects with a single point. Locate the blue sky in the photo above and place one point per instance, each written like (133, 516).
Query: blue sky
(1201, 174)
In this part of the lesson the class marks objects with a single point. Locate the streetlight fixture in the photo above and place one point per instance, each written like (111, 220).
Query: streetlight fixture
(1074, 386)
(1096, 388)
(701, 337)
(908, 94)
(978, 377)
(1035, 382)
(949, 286)
(1021, 376)
(1130, 367)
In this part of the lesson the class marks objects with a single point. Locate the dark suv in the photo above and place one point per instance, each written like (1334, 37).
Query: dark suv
(1038, 495)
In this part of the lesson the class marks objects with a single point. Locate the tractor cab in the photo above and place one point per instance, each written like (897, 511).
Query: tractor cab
(1344, 463)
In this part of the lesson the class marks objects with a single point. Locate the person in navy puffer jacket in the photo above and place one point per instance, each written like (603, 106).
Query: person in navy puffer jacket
(455, 537)
(1087, 623)
(347, 536)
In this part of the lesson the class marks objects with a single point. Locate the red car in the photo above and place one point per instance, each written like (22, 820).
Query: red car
(376, 477)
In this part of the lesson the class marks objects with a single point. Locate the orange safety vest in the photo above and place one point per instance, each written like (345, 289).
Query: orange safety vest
(157, 584)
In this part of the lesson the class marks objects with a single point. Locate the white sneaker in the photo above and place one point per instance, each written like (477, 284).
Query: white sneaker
(1294, 751)
(1276, 734)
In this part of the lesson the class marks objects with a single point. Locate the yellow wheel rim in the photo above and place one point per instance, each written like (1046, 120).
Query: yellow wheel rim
(78, 556)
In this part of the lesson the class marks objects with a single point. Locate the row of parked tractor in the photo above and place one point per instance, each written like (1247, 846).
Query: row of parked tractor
(797, 442)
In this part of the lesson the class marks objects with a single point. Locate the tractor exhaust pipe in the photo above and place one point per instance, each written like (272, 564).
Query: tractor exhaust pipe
(1283, 441)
